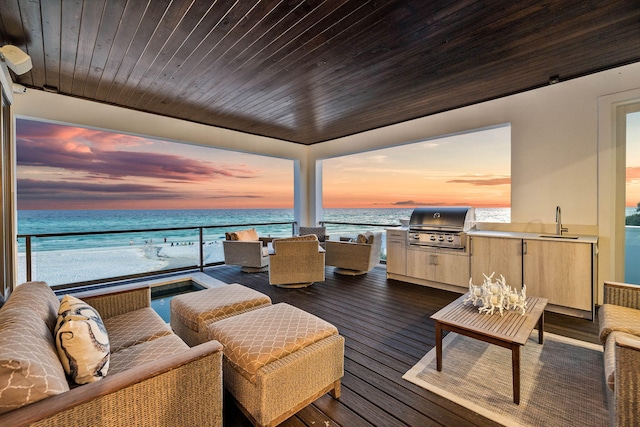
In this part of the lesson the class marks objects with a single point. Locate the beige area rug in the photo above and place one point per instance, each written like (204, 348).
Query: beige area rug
(562, 381)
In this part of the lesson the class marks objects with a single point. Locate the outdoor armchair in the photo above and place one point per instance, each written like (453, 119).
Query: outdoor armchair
(619, 325)
(355, 257)
(296, 262)
(320, 232)
(244, 248)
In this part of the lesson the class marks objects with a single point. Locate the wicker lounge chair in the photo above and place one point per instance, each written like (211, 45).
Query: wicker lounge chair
(244, 248)
(296, 262)
(320, 232)
(355, 257)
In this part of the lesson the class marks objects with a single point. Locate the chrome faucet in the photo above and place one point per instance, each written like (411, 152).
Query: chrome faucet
(559, 228)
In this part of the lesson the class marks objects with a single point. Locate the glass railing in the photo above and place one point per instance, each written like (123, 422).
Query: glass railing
(66, 260)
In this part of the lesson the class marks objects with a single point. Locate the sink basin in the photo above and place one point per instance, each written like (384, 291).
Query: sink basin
(557, 236)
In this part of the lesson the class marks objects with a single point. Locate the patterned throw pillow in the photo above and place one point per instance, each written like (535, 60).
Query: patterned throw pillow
(82, 341)
(249, 234)
(370, 237)
(367, 237)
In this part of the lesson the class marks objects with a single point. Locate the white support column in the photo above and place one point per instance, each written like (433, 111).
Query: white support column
(299, 194)
(315, 199)
(307, 189)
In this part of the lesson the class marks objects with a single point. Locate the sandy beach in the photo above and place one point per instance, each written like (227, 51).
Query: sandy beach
(77, 265)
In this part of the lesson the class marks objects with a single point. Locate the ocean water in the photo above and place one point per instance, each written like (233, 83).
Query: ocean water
(83, 221)
(83, 257)
(35, 222)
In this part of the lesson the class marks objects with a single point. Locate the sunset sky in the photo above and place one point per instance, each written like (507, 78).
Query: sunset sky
(64, 167)
(470, 169)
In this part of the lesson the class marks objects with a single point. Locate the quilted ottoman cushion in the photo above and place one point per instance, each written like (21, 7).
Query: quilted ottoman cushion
(257, 338)
(149, 351)
(29, 366)
(135, 327)
(201, 307)
(618, 318)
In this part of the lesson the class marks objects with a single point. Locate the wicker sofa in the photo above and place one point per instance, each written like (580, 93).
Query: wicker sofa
(154, 378)
(619, 319)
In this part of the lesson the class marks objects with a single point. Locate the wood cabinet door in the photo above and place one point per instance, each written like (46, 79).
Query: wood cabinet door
(396, 257)
(559, 271)
(438, 266)
(452, 268)
(420, 263)
(499, 255)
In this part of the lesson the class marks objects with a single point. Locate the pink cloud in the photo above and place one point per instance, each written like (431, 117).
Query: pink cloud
(36, 148)
(633, 173)
(47, 132)
(92, 169)
(482, 181)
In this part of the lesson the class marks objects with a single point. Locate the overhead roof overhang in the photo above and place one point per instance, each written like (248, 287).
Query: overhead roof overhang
(308, 71)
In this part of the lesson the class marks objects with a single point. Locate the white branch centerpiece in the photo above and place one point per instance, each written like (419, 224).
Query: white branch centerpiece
(495, 295)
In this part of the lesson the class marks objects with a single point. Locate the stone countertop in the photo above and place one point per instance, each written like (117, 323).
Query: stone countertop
(571, 238)
(574, 238)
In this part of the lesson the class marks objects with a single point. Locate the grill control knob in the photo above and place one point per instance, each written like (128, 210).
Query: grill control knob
(432, 238)
(449, 238)
(441, 238)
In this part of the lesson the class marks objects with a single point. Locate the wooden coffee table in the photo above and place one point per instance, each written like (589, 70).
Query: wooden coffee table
(511, 330)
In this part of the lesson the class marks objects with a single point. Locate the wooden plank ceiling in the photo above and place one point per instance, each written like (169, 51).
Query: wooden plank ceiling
(312, 70)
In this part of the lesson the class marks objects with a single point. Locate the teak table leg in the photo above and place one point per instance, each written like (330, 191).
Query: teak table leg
(541, 328)
(515, 360)
(438, 347)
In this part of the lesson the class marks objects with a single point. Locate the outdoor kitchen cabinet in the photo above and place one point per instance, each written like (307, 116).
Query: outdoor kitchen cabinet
(396, 251)
(562, 272)
(438, 265)
(501, 256)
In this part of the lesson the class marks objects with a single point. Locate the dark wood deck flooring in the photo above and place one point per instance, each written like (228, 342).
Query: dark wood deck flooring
(387, 328)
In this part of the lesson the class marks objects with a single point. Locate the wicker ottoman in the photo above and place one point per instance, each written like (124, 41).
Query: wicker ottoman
(277, 360)
(191, 313)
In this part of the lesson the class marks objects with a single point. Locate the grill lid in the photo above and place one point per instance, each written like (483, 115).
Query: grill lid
(443, 218)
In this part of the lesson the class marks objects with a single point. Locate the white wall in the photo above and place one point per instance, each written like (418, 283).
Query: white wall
(6, 83)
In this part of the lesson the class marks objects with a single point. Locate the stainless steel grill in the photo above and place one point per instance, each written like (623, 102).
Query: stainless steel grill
(441, 226)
